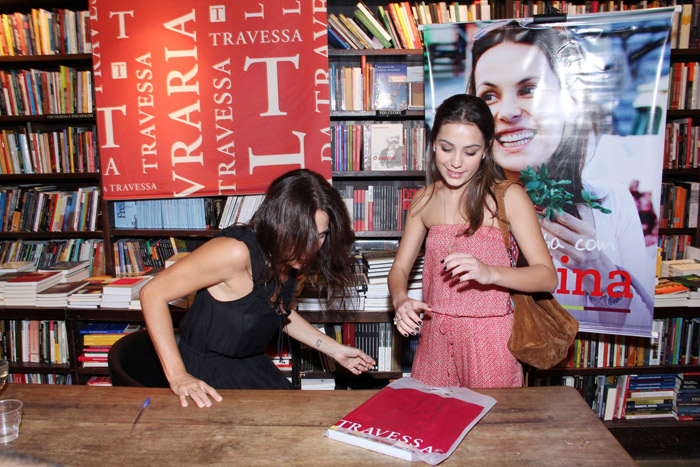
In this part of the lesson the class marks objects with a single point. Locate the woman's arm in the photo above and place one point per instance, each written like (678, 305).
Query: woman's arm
(210, 266)
(351, 358)
(538, 276)
(408, 309)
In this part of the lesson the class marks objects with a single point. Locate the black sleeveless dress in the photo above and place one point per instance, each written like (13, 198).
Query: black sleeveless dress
(223, 343)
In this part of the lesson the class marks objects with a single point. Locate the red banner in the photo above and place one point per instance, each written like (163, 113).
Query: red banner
(197, 99)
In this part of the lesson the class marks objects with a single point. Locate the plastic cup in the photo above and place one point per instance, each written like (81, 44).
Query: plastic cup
(10, 418)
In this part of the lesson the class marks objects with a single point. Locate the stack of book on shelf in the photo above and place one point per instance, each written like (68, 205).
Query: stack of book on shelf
(71, 271)
(315, 299)
(686, 406)
(120, 292)
(378, 264)
(649, 396)
(16, 266)
(89, 296)
(4, 279)
(670, 293)
(317, 384)
(679, 267)
(282, 360)
(99, 381)
(22, 290)
(57, 296)
(97, 340)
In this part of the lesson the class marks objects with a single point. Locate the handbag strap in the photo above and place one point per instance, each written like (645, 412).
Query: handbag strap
(501, 216)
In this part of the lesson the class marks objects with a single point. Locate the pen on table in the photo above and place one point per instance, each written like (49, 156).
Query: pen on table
(143, 408)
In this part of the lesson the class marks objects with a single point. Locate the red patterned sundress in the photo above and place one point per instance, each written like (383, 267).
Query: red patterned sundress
(463, 341)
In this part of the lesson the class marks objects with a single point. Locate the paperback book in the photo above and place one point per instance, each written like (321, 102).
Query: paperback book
(413, 421)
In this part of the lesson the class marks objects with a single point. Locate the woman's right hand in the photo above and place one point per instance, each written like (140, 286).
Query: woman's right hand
(407, 317)
(188, 386)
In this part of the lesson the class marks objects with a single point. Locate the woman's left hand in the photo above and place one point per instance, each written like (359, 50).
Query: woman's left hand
(465, 267)
(354, 359)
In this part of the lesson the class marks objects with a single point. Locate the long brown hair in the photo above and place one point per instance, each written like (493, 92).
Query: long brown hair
(286, 229)
(469, 110)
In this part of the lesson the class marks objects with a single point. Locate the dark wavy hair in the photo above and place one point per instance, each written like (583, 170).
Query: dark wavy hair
(469, 110)
(285, 226)
(561, 53)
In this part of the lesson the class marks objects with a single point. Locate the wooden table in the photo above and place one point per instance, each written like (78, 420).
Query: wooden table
(81, 425)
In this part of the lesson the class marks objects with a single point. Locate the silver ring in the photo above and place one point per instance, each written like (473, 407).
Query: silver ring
(395, 321)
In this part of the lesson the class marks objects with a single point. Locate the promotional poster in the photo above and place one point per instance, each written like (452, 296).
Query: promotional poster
(201, 98)
(579, 107)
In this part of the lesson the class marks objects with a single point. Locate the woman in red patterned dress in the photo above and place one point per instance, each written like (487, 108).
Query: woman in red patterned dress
(467, 316)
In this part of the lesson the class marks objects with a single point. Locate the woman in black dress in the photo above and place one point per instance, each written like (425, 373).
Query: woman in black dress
(246, 279)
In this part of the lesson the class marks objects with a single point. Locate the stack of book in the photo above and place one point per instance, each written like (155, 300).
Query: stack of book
(649, 396)
(317, 384)
(120, 292)
(89, 296)
(22, 290)
(16, 266)
(687, 401)
(668, 292)
(97, 340)
(57, 296)
(71, 271)
(378, 264)
(99, 381)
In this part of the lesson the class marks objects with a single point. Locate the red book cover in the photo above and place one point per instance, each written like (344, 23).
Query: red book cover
(413, 421)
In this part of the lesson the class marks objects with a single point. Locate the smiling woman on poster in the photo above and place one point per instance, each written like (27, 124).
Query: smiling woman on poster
(546, 131)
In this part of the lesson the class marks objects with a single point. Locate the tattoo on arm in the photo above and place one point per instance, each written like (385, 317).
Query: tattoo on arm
(318, 343)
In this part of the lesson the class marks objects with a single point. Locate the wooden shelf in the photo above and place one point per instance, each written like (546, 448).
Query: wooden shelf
(163, 232)
(52, 118)
(379, 174)
(52, 177)
(38, 60)
(379, 52)
(347, 316)
(377, 114)
(621, 370)
(49, 235)
(44, 368)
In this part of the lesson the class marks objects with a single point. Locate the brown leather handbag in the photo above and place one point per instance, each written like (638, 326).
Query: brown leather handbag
(543, 330)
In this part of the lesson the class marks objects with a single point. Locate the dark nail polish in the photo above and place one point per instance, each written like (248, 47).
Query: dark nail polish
(414, 333)
(420, 322)
(442, 260)
(445, 268)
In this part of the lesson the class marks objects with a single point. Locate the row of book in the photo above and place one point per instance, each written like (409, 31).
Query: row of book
(679, 205)
(185, 213)
(681, 144)
(44, 208)
(367, 146)
(673, 247)
(98, 338)
(685, 31)
(396, 25)
(39, 378)
(239, 209)
(134, 257)
(34, 341)
(684, 79)
(391, 351)
(68, 150)
(45, 32)
(377, 207)
(376, 86)
(38, 92)
(174, 213)
(45, 253)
